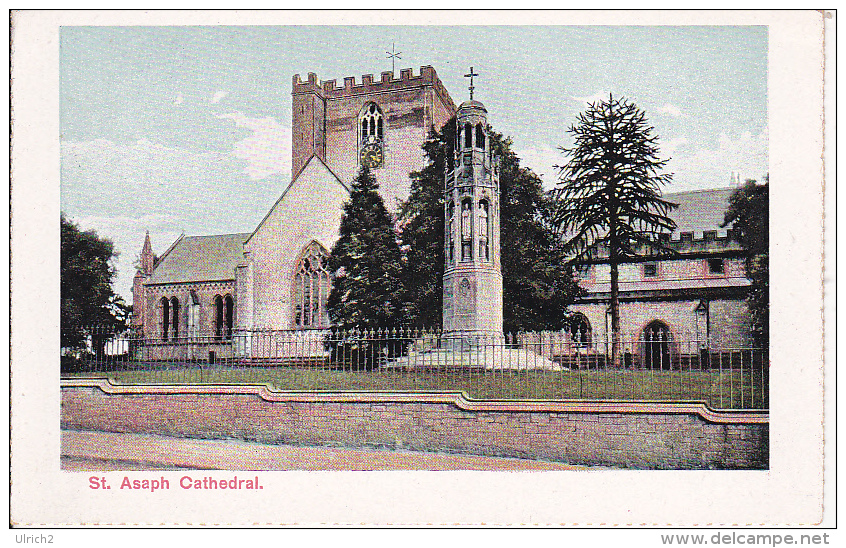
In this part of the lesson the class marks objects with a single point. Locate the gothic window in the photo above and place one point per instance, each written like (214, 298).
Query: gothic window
(480, 137)
(165, 306)
(174, 320)
(229, 315)
(218, 317)
(311, 288)
(370, 148)
(484, 231)
(371, 123)
(224, 316)
(468, 136)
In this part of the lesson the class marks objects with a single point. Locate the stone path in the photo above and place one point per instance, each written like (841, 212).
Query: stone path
(106, 451)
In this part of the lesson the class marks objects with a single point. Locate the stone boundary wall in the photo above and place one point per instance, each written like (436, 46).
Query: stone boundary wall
(623, 434)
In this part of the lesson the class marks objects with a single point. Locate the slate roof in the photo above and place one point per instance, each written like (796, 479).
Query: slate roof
(700, 210)
(200, 259)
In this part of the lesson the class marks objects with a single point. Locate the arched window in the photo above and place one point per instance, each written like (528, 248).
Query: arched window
(165, 306)
(480, 136)
(193, 314)
(174, 314)
(218, 317)
(229, 313)
(580, 331)
(371, 122)
(484, 231)
(468, 135)
(311, 288)
(656, 345)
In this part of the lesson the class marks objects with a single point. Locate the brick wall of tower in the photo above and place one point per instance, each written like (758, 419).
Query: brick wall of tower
(307, 122)
(411, 105)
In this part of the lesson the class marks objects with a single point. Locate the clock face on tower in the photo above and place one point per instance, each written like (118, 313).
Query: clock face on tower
(371, 155)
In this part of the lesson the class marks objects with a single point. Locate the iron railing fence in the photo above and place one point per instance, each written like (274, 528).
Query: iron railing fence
(520, 366)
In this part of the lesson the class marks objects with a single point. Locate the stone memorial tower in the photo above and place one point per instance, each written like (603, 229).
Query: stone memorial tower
(472, 276)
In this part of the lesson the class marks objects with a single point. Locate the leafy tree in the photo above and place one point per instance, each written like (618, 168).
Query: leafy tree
(609, 196)
(422, 236)
(537, 285)
(749, 210)
(366, 262)
(89, 306)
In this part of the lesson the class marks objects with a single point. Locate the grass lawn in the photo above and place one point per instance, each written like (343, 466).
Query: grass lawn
(727, 389)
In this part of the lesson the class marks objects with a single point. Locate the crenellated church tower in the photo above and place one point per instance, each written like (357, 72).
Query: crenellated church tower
(472, 276)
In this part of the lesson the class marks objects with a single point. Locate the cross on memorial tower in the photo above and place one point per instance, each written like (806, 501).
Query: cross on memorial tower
(471, 75)
(393, 55)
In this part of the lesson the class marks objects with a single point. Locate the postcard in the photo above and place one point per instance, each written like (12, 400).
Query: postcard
(420, 268)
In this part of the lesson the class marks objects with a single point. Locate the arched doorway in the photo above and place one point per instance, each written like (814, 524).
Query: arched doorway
(656, 345)
(580, 331)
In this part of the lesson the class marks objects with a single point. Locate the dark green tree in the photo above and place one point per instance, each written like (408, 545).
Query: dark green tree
(366, 262)
(749, 211)
(537, 284)
(609, 195)
(89, 305)
(422, 236)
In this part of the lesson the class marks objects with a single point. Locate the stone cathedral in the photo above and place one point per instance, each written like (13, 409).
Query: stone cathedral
(276, 278)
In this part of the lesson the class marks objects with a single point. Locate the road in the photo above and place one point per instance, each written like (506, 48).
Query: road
(107, 451)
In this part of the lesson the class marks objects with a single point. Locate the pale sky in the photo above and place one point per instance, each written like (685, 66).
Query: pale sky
(188, 129)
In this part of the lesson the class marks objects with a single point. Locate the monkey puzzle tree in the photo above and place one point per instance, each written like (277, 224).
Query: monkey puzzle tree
(609, 193)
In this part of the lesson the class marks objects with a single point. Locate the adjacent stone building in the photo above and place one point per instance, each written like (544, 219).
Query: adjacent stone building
(694, 300)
